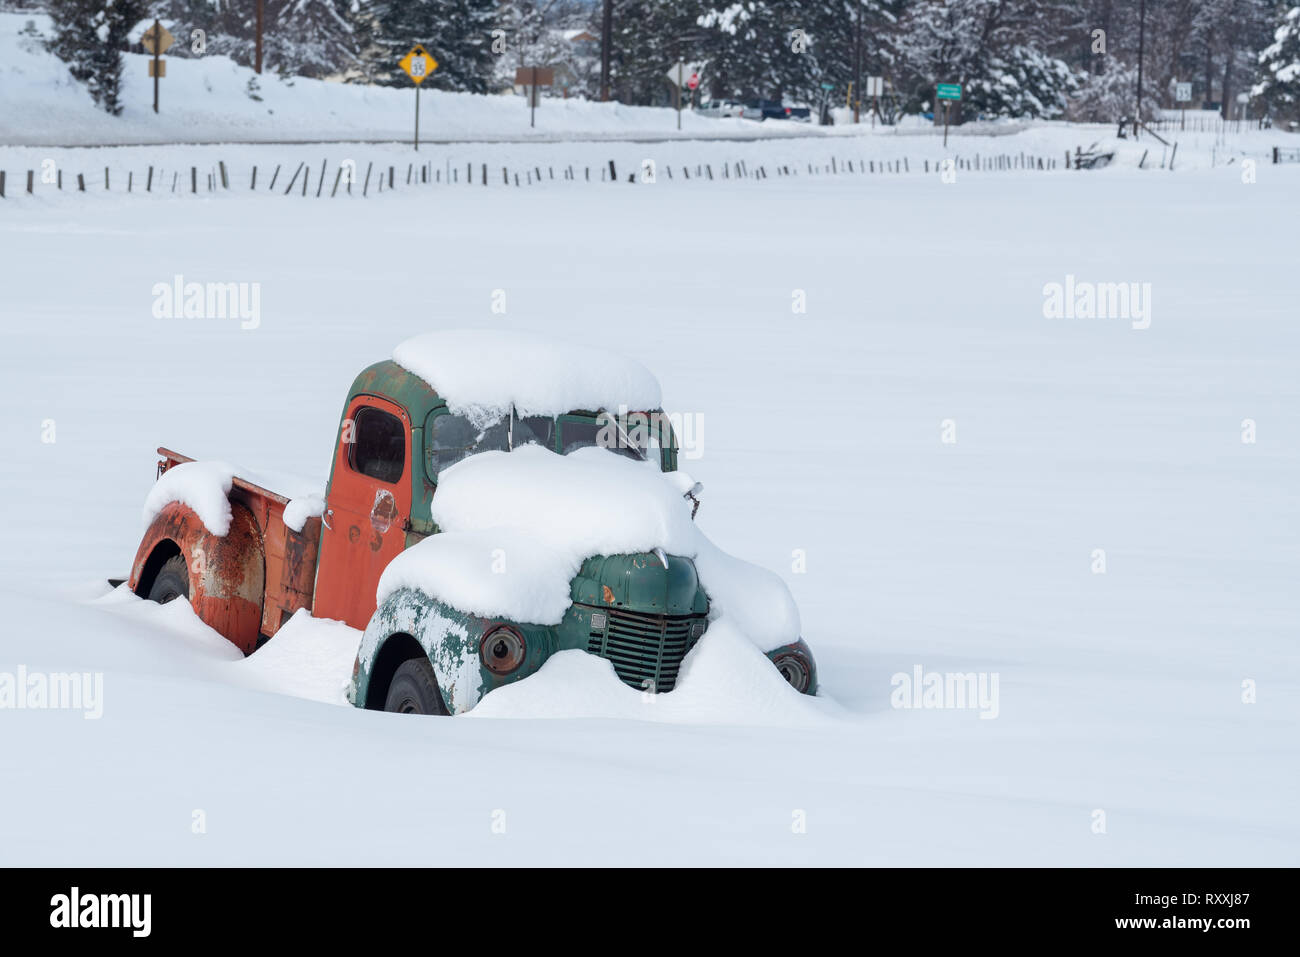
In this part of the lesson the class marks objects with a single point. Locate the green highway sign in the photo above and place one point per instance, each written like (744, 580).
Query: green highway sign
(948, 91)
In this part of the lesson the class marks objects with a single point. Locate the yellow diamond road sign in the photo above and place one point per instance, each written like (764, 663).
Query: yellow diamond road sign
(157, 36)
(418, 64)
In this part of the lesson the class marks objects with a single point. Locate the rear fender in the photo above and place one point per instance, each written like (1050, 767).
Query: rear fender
(227, 573)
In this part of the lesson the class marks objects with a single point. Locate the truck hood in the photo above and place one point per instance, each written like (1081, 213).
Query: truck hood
(517, 528)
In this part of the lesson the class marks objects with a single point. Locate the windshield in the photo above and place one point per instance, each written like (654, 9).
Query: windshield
(453, 437)
(634, 435)
(642, 436)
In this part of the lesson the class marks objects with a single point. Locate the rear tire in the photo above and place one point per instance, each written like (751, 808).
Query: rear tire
(171, 582)
(414, 689)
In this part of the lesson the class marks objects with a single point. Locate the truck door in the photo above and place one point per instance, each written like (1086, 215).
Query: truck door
(366, 510)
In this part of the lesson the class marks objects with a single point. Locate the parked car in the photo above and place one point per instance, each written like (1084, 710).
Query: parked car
(399, 438)
(774, 110)
(721, 108)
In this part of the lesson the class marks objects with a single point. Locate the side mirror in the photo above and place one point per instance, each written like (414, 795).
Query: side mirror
(694, 494)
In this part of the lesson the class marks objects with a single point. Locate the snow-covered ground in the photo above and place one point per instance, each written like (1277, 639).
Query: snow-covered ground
(827, 334)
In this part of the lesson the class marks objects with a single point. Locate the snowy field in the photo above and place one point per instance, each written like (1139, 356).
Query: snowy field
(928, 460)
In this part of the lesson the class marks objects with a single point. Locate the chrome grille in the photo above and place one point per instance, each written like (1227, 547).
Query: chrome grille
(645, 647)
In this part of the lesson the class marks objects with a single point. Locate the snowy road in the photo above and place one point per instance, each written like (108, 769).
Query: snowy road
(946, 459)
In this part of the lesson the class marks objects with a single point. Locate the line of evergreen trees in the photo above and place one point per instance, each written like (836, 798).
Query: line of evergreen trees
(1048, 58)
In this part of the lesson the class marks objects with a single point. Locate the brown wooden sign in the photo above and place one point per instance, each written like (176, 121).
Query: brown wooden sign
(534, 76)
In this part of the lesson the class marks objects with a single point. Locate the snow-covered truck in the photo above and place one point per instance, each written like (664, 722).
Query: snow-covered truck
(474, 525)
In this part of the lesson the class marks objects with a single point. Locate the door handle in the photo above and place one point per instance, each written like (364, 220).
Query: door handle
(325, 518)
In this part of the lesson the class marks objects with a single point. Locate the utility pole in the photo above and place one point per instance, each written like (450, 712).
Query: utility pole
(1142, 32)
(857, 61)
(606, 41)
(257, 67)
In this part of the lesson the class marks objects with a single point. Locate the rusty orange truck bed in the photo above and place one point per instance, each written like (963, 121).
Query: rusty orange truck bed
(251, 580)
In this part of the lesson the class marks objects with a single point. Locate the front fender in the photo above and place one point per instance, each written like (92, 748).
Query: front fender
(451, 639)
(800, 650)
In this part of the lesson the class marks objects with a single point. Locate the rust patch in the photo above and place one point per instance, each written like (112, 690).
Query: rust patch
(606, 595)
(384, 511)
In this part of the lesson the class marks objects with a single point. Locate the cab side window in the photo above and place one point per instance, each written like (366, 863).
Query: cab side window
(379, 446)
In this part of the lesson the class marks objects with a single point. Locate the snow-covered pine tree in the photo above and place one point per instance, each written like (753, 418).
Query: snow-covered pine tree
(1234, 32)
(317, 38)
(89, 36)
(1023, 81)
(457, 33)
(760, 48)
(1109, 96)
(836, 34)
(997, 49)
(648, 38)
(1279, 68)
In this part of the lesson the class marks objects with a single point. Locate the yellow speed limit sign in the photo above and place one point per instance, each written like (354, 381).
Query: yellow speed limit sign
(418, 64)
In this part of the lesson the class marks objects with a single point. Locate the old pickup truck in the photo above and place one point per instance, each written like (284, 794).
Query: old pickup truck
(398, 435)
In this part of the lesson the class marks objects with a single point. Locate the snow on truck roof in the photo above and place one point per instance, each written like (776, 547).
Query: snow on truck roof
(481, 373)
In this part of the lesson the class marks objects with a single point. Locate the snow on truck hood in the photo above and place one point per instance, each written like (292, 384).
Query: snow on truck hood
(481, 373)
(516, 527)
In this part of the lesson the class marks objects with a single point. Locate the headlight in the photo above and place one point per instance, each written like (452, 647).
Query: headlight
(502, 650)
(795, 669)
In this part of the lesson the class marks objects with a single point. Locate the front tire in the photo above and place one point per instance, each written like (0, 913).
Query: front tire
(414, 689)
(171, 582)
